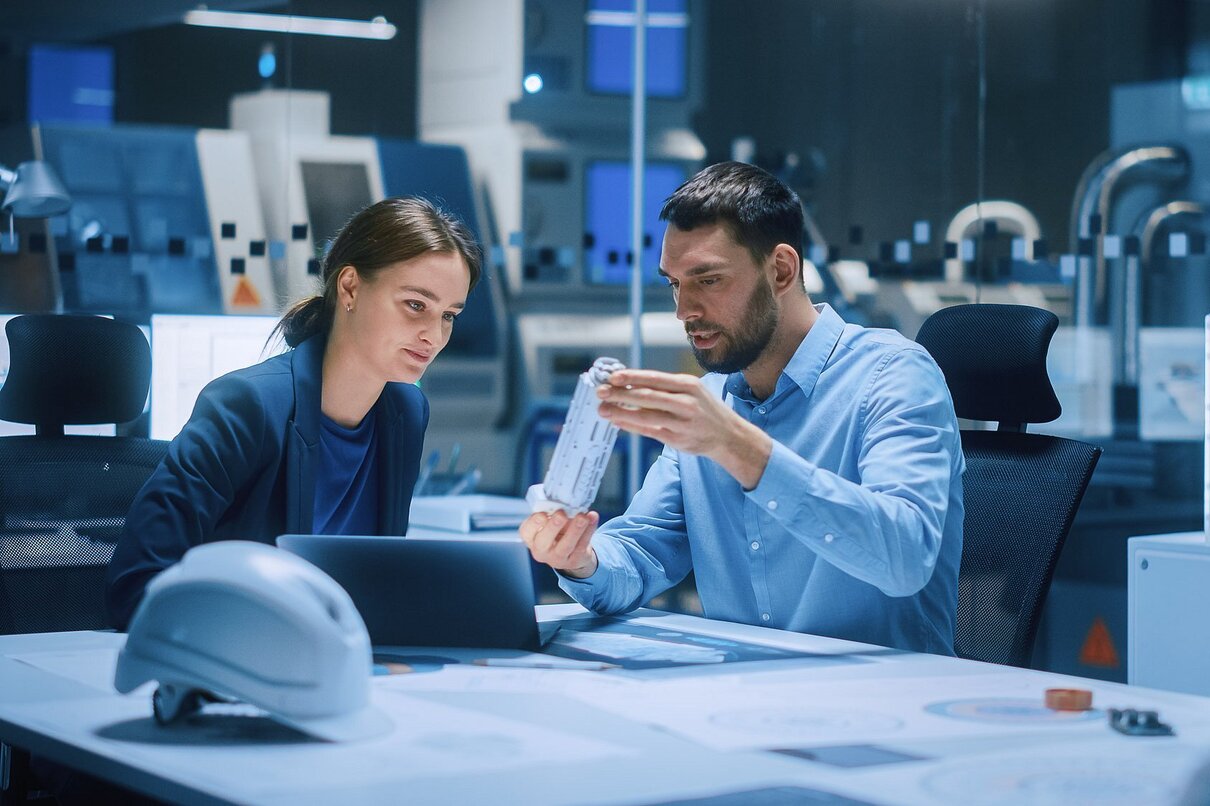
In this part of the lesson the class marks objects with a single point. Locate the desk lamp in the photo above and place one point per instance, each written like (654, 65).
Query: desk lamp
(32, 191)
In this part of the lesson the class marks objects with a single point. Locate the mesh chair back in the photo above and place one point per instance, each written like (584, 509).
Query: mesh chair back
(74, 370)
(63, 503)
(1021, 491)
(63, 499)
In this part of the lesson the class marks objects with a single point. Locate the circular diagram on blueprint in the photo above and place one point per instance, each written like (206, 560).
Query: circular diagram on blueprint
(1006, 710)
(1061, 781)
(835, 723)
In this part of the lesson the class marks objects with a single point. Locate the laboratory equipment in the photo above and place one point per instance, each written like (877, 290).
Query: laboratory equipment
(583, 449)
(311, 182)
(1006, 214)
(543, 111)
(908, 301)
(1092, 210)
(164, 220)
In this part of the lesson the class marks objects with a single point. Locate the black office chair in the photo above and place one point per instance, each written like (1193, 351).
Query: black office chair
(1021, 491)
(63, 499)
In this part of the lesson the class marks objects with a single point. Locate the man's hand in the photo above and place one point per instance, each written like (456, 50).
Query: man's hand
(561, 542)
(679, 411)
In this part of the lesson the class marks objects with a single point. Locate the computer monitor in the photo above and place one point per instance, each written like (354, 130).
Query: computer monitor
(334, 192)
(607, 218)
(187, 352)
(610, 47)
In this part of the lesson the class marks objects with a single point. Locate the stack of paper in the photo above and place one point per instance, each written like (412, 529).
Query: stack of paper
(468, 513)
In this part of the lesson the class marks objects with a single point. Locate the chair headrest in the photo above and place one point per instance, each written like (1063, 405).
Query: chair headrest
(994, 360)
(74, 370)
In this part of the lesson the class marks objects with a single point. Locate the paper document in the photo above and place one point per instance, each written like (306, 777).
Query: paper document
(92, 667)
(467, 513)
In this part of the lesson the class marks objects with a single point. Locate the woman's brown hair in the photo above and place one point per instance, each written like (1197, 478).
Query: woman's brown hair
(383, 234)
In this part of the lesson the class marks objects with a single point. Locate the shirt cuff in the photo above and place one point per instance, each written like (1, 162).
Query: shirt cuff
(781, 485)
(586, 591)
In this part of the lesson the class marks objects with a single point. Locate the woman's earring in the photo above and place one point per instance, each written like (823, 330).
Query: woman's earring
(349, 307)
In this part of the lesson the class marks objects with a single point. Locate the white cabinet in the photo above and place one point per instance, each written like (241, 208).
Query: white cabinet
(1168, 612)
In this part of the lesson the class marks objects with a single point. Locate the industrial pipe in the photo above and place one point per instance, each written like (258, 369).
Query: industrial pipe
(1094, 195)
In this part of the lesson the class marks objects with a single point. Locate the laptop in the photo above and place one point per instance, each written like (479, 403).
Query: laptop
(456, 591)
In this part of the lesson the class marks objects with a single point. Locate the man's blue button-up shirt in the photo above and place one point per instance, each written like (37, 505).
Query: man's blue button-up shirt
(855, 528)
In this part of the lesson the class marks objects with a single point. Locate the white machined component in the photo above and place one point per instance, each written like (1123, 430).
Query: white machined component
(583, 449)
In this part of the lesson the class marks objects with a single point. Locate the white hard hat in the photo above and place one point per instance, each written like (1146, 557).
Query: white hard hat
(255, 623)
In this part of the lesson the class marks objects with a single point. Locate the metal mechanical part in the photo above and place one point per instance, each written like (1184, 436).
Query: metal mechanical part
(1133, 722)
(582, 452)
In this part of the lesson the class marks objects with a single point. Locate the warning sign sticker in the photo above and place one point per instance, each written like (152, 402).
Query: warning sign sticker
(245, 295)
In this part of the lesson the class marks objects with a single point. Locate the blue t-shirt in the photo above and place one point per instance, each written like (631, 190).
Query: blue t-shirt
(346, 480)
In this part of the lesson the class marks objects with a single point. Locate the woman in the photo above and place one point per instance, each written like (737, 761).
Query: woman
(325, 438)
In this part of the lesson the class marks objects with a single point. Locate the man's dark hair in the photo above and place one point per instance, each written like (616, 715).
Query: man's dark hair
(757, 207)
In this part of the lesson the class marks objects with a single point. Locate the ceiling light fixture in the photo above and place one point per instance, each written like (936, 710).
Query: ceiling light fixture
(626, 19)
(377, 28)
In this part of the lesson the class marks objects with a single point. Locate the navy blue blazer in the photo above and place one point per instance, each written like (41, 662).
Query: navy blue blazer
(243, 468)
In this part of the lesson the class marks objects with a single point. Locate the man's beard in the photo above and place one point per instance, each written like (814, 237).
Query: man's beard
(737, 351)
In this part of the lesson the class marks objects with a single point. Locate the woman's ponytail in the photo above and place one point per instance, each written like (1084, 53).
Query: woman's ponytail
(303, 320)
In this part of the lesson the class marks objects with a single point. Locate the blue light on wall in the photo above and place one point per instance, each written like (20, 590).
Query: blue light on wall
(266, 65)
(1195, 91)
(70, 84)
(533, 83)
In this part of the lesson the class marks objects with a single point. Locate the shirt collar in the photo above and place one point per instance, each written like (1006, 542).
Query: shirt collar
(807, 362)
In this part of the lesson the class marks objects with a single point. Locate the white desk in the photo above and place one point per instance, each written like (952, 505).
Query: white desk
(948, 731)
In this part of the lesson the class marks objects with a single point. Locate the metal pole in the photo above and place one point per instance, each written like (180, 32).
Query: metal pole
(638, 148)
(981, 148)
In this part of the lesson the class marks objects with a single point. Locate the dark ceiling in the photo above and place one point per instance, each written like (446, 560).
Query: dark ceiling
(25, 21)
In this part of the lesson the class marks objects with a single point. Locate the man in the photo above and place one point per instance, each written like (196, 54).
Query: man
(812, 480)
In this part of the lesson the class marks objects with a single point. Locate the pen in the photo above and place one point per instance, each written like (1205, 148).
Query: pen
(524, 663)
(466, 483)
(422, 478)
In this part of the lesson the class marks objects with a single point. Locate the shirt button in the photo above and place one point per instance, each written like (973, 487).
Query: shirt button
(755, 545)
(761, 410)
(829, 537)
(764, 616)
(772, 504)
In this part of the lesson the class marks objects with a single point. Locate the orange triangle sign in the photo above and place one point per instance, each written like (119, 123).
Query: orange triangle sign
(1098, 647)
(245, 295)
